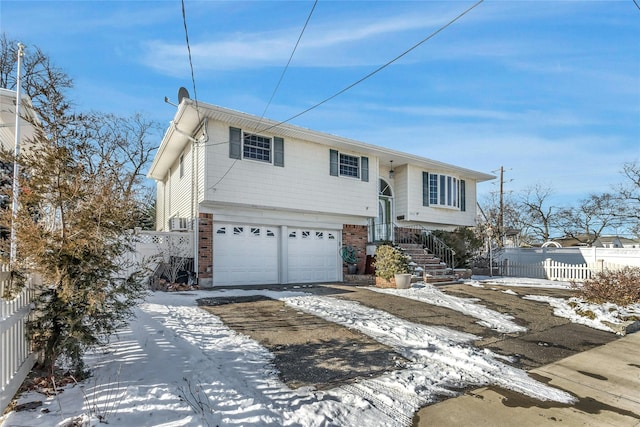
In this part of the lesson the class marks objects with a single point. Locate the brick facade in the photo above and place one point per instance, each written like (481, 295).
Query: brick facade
(356, 236)
(205, 247)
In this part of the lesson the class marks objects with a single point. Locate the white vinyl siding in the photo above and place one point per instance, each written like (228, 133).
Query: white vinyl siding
(302, 185)
(434, 215)
(178, 189)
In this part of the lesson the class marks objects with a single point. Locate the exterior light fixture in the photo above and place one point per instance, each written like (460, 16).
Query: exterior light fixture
(391, 172)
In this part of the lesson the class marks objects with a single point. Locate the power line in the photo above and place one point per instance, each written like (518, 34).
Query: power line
(193, 79)
(290, 58)
(382, 67)
(637, 4)
(377, 70)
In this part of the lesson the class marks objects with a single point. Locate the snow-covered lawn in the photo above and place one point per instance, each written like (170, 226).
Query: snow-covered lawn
(178, 365)
(597, 316)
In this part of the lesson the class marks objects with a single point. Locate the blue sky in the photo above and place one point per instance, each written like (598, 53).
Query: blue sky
(549, 90)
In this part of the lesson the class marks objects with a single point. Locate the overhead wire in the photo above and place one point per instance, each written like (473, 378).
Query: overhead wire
(357, 82)
(380, 68)
(275, 90)
(193, 78)
(286, 67)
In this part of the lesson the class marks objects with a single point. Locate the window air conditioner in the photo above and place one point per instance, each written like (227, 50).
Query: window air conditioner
(179, 224)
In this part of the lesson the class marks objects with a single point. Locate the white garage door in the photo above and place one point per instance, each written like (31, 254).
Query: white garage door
(245, 254)
(313, 255)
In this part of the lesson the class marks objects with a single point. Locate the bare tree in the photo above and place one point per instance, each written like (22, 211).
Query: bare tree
(537, 216)
(629, 197)
(591, 218)
(78, 202)
(491, 213)
(42, 81)
(174, 253)
(124, 144)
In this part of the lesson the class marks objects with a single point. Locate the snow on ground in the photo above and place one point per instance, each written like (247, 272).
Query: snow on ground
(521, 282)
(432, 295)
(178, 365)
(597, 316)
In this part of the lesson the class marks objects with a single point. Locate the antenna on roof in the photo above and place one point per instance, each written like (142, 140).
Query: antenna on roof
(166, 99)
(182, 93)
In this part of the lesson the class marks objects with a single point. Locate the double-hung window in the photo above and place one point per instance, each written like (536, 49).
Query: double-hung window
(349, 166)
(245, 145)
(256, 147)
(341, 164)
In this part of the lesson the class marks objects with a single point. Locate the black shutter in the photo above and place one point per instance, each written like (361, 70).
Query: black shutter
(463, 195)
(235, 143)
(278, 151)
(425, 188)
(364, 166)
(333, 162)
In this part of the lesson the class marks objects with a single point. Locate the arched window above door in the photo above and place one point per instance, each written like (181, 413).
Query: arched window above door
(384, 189)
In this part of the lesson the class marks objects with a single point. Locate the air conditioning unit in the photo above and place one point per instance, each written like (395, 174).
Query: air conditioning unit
(179, 224)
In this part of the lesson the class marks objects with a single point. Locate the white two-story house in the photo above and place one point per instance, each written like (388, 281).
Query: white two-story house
(275, 203)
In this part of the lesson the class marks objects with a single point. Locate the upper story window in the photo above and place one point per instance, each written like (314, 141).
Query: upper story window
(245, 145)
(341, 164)
(256, 147)
(443, 190)
(349, 166)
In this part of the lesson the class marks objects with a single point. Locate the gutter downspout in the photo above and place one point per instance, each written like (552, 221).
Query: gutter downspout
(195, 186)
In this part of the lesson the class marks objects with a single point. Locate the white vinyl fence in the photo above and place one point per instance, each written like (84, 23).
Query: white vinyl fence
(555, 270)
(16, 358)
(152, 247)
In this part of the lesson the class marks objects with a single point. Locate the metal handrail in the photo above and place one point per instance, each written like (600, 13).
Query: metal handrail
(415, 234)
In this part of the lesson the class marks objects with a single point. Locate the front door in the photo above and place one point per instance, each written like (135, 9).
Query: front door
(383, 224)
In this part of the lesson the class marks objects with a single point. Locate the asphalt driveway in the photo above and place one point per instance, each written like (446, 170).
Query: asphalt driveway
(310, 351)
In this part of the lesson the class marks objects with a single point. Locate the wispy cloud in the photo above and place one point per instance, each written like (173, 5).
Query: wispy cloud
(339, 42)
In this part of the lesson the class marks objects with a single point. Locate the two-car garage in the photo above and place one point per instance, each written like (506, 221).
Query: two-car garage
(247, 254)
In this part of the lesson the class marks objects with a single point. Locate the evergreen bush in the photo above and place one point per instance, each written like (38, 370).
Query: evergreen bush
(390, 261)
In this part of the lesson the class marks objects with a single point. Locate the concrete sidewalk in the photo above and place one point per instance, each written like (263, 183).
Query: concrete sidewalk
(605, 380)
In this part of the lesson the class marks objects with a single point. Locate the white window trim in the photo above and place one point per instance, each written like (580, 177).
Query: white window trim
(271, 152)
(450, 193)
(359, 166)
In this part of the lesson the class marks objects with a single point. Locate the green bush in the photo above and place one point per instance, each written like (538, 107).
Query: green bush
(620, 287)
(390, 261)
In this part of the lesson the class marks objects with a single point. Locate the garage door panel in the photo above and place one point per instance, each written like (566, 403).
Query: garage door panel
(245, 254)
(313, 255)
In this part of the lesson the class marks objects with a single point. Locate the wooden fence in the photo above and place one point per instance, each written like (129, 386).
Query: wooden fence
(16, 358)
(555, 270)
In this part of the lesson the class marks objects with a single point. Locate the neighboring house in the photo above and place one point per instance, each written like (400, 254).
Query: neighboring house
(567, 242)
(275, 203)
(619, 242)
(8, 138)
(8, 119)
(600, 242)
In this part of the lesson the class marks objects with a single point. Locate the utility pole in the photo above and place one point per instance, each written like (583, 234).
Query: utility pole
(501, 214)
(16, 169)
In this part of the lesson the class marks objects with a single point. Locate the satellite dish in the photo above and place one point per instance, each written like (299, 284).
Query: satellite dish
(182, 93)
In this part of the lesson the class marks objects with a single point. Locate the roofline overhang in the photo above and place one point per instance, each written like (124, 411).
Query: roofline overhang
(189, 114)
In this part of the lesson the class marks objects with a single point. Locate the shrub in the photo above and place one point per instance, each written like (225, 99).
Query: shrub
(464, 242)
(390, 261)
(620, 287)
